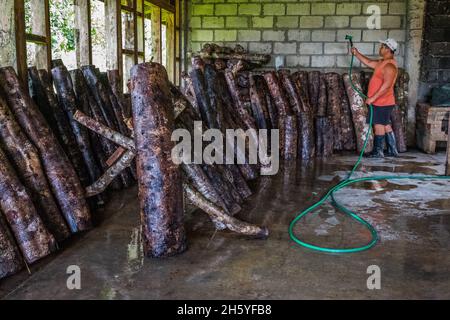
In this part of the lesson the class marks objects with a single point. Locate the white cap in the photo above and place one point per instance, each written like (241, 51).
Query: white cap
(391, 43)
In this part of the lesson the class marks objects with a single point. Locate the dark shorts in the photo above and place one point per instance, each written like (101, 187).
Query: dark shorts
(381, 115)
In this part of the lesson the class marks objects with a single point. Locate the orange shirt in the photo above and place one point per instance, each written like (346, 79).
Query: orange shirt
(387, 99)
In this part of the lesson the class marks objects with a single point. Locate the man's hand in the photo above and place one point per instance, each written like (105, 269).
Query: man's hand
(370, 100)
(354, 51)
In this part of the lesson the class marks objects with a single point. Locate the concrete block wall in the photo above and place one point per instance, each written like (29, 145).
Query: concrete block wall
(298, 33)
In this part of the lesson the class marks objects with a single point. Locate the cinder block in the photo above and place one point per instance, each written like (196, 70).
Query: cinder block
(195, 22)
(323, 35)
(336, 48)
(365, 48)
(399, 35)
(270, 35)
(225, 35)
(383, 6)
(203, 10)
(298, 9)
(237, 22)
(213, 22)
(249, 35)
(323, 8)
(299, 35)
(374, 35)
(337, 22)
(202, 35)
(311, 48)
(274, 9)
(252, 9)
(261, 47)
(228, 9)
(391, 22)
(397, 7)
(297, 61)
(323, 61)
(359, 22)
(348, 8)
(344, 61)
(311, 22)
(262, 22)
(285, 48)
(287, 22)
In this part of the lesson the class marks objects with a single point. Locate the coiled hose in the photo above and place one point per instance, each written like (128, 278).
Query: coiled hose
(345, 183)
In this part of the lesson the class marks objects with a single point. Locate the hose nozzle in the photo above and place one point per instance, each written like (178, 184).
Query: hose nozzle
(349, 38)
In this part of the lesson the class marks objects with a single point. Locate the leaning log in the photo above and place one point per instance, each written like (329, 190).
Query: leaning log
(10, 259)
(289, 130)
(258, 104)
(324, 137)
(300, 79)
(217, 214)
(290, 88)
(216, 102)
(277, 93)
(322, 101)
(25, 159)
(398, 128)
(313, 90)
(60, 173)
(334, 108)
(70, 104)
(32, 237)
(160, 185)
(347, 129)
(401, 119)
(359, 113)
(209, 115)
(49, 105)
(115, 83)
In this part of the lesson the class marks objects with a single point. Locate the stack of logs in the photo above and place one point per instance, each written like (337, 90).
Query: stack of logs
(49, 162)
(316, 113)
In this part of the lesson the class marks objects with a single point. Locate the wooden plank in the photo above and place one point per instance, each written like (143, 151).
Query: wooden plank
(83, 35)
(113, 34)
(8, 52)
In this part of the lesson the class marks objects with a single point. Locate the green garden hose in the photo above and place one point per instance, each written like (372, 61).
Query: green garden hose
(343, 184)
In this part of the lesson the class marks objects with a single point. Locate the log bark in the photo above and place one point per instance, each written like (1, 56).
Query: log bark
(56, 118)
(217, 214)
(216, 101)
(301, 82)
(314, 90)
(70, 104)
(324, 137)
(61, 175)
(32, 237)
(306, 136)
(10, 259)
(103, 147)
(290, 88)
(257, 59)
(398, 128)
(209, 115)
(322, 101)
(25, 159)
(334, 108)
(348, 131)
(277, 93)
(115, 83)
(359, 113)
(289, 130)
(259, 102)
(160, 185)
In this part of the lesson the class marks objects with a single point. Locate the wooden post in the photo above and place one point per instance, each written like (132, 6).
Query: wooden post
(83, 32)
(156, 34)
(8, 31)
(113, 24)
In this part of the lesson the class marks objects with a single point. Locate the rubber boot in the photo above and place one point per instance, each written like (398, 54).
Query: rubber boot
(391, 145)
(378, 146)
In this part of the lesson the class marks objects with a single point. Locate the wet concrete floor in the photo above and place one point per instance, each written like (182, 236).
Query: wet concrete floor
(412, 218)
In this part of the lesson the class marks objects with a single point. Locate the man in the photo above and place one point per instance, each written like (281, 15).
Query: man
(381, 96)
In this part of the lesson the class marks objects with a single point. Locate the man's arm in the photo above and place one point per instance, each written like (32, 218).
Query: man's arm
(368, 62)
(389, 72)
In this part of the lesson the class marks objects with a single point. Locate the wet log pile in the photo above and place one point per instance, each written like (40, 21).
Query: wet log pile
(317, 114)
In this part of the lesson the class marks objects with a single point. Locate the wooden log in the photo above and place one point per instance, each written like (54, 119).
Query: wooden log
(48, 104)
(306, 136)
(324, 137)
(31, 235)
(104, 147)
(208, 114)
(217, 214)
(259, 103)
(277, 93)
(215, 99)
(115, 83)
(10, 258)
(296, 106)
(160, 186)
(248, 57)
(348, 131)
(70, 104)
(359, 112)
(289, 130)
(25, 159)
(300, 79)
(398, 128)
(322, 101)
(314, 90)
(334, 108)
(61, 175)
